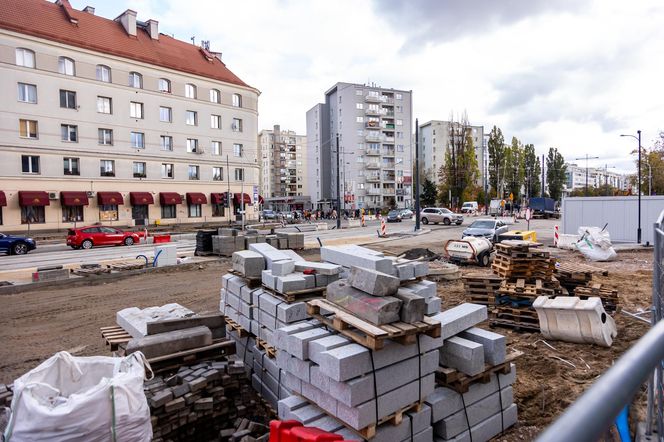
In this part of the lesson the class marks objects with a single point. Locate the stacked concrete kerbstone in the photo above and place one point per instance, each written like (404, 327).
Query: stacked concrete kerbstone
(201, 402)
(351, 383)
(231, 240)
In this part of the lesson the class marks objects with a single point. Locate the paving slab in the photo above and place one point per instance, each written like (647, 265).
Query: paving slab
(494, 344)
(376, 310)
(462, 317)
(463, 355)
(373, 282)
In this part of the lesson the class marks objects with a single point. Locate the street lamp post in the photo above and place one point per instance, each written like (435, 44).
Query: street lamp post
(638, 138)
(586, 158)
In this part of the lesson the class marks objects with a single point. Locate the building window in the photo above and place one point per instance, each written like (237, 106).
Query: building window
(218, 210)
(104, 105)
(105, 137)
(27, 93)
(399, 122)
(192, 145)
(217, 174)
(135, 109)
(103, 73)
(66, 66)
(71, 166)
(237, 100)
(69, 132)
(168, 211)
(237, 150)
(237, 125)
(108, 212)
(400, 148)
(215, 121)
(359, 105)
(67, 99)
(27, 129)
(239, 174)
(164, 85)
(167, 170)
(139, 170)
(166, 142)
(194, 211)
(216, 147)
(191, 118)
(72, 214)
(194, 173)
(215, 96)
(189, 90)
(107, 168)
(135, 80)
(29, 164)
(359, 92)
(25, 58)
(33, 215)
(359, 119)
(137, 140)
(398, 96)
(165, 114)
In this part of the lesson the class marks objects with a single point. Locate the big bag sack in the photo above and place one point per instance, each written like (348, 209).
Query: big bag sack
(82, 399)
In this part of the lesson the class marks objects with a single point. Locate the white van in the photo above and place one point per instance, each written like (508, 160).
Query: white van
(469, 207)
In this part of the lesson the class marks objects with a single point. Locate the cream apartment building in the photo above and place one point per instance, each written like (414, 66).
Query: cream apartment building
(109, 120)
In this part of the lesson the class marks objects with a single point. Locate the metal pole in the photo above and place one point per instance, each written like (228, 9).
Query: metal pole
(417, 175)
(228, 195)
(638, 231)
(543, 182)
(592, 414)
(242, 198)
(338, 187)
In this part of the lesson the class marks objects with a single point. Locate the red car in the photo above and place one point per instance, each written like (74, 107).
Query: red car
(87, 237)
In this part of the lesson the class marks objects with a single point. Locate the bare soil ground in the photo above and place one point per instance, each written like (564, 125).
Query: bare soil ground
(37, 324)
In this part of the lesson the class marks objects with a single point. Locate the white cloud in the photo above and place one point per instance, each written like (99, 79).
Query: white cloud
(568, 74)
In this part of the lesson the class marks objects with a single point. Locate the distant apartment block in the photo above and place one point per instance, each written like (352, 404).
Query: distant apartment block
(374, 126)
(283, 161)
(597, 177)
(434, 141)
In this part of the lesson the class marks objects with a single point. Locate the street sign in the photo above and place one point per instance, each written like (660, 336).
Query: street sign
(529, 214)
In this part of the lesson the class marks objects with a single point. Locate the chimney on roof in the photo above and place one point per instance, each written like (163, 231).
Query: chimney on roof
(89, 10)
(128, 21)
(153, 29)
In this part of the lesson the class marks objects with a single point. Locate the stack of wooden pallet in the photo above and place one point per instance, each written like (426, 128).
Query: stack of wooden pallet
(609, 297)
(516, 259)
(481, 288)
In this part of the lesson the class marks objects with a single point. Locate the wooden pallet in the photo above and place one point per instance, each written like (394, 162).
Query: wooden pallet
(610, 298)
(114, 335)
(578, 269)
(252, 283)
(297, 295)
(488, 300)
(369, 335)
(394, 419)
(269, 350)
(461, 382)
(516, 326)
(232, 325)
(522, 289)
(527, 314)
(217, 350)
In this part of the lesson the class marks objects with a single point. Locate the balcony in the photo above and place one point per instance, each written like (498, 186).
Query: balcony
(372, 136)
(373, 191)
(388, 178)
(375, 98)
(388, 152)
(388, 140)
(370, 151)
(373, 165)
(388, 192)
(375, 111)
(388, 165)
(389, 127)
(372, 178)
(372, 125)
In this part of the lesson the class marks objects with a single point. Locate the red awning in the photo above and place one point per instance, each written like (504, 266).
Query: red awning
(218, 198)
(196, 198)
(237, 198)
(109, 198)
(140, 198)
(33, 198)
(169, 198)
(74, 199)
(3, 199)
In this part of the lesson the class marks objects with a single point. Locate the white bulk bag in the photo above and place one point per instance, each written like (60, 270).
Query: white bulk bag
(83, 399)
(595, 244)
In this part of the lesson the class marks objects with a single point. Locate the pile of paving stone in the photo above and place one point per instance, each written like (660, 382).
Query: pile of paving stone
(228, 240)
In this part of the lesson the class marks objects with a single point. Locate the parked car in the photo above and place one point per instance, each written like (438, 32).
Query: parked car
(268, 214)
(87, 237)
(437, 215)
(394, 216)
(490, 229)
(16, 245)
(469, 207)
(406, 214)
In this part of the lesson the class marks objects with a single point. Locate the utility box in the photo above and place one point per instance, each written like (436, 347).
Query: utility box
(166, 255)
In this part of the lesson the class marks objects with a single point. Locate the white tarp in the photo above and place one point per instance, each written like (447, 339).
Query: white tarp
(82, 399)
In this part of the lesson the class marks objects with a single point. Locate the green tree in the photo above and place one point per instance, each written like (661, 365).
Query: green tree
(652, 162)
(496, 146)
(460, 169)
(555, 173)
(532, 171)
(514, 168)
(429, 193)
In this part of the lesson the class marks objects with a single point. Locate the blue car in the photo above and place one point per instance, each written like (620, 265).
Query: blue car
(16, 245)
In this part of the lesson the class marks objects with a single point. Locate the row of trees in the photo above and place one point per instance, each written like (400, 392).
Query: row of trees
(513, 169)
(652, 168)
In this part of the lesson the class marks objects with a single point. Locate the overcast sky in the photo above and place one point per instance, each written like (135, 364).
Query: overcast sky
(572, 74)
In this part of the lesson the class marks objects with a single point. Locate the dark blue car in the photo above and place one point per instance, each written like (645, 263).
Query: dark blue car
(16, 245)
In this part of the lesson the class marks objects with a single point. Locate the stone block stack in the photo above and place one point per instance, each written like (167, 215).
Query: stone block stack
(229, 240)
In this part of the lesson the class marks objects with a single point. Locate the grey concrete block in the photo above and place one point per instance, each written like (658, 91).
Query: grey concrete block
(373, 282)
(316, 347)
(270, 253)
(321, 268)
(488, 428)
(298, 343)
(462, 317)
(376, 310)
(248, 263)
(290, 404)
(240, 244)
(269, 279)
(308, 413)
(423, 288)
(291, 283)
(292, 255)
(412, 307)
(327, 423)
(283, 267)
(405, 271)
(300, 369)
(171, 342)
(248, 294)
(352, 255)
(226, 231)
(421, 268)
(493, 343)
(433, 305)
(292, 382)
(134, 320)
(235, 285)
(281, 335)
(463, 355)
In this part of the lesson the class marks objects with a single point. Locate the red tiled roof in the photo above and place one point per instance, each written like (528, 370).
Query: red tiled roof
(41, 18)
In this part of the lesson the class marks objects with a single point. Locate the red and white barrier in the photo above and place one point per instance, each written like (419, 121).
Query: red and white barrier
(556, 235)
(383, 227)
